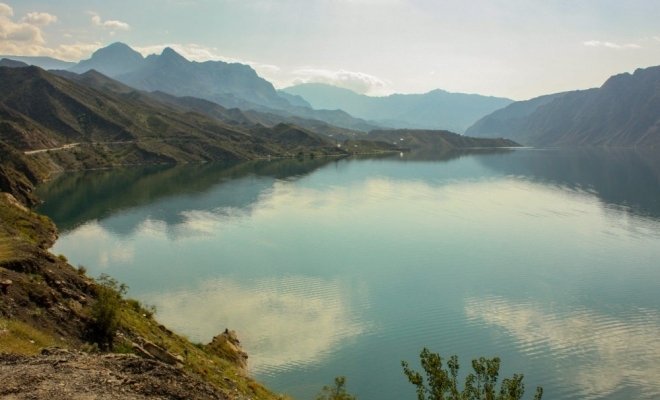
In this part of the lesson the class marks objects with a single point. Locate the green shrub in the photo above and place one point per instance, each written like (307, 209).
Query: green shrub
(336, 392)
(105, 311)
(442, 384)
(105, 317)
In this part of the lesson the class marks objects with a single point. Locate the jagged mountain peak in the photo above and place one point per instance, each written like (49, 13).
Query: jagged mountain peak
(170, 56)
(115, 59)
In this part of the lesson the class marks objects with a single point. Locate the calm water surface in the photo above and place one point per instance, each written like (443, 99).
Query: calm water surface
(549, 259)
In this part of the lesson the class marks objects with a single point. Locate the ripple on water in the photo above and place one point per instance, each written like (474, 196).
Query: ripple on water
(593, 355)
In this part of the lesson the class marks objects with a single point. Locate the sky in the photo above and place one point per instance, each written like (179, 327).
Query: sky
(509, 48)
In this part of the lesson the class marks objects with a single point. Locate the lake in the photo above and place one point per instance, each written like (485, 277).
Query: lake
(548, 259)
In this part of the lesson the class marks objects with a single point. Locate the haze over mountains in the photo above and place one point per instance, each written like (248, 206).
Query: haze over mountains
(231, 85)
(41, 62)
(235, 85)
(437, 109)
(624, 111)
(61, 120)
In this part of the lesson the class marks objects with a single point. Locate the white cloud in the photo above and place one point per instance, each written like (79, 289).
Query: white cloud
(657, 38)
(110, 24)
(66, 52)
(281, 321)
(6, 10)
(611, 45)
(14, 34)
(25, 37)
(607, 352)
(359, 82)
(39, 18)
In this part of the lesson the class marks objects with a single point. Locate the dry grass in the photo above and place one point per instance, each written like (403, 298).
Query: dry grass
(20, 338)
(214, 369)
(6, 249)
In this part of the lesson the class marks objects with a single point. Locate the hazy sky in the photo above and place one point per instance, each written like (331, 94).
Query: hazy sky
(512, 48)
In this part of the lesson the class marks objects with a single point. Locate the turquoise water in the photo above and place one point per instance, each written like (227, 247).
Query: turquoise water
(547, 259)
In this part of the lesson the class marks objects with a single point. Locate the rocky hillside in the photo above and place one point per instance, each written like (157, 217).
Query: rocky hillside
(60, 373)
(88, 126)
(624, 111)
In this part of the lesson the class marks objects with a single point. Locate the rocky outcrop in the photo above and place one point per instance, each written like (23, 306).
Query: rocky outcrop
(227, 345)
(147, 349)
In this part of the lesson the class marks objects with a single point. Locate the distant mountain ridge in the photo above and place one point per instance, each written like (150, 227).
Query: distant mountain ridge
(437, 109)
(232, 85)
(624, 111)
(113, 60)
(41, 62)
(437, 140)
(6, 62)
(169, 72)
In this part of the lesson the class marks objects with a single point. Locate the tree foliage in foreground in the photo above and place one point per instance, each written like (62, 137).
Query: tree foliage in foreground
(105, 311)
(442, 383)
(336, 392)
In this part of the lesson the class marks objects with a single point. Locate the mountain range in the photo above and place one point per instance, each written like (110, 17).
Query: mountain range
(624, 111)
(235, 85)
(89, 121)
(231, 85)
(60, 120)
(437, 109)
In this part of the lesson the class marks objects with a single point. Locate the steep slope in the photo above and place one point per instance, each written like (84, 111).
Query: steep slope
(213, 80)
(294, 100)
(624, 111)
(512, 117)
(232, 117)
(231, 85)
(433, 110)
(47, 302)
(88, 127)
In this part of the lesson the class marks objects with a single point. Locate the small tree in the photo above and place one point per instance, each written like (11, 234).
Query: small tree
(105, 311)
(336, 392)
(442, 384)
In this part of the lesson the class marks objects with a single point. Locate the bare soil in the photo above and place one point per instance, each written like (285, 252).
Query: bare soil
(67, 374)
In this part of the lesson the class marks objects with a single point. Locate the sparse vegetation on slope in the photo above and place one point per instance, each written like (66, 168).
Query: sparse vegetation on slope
(46, 302)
